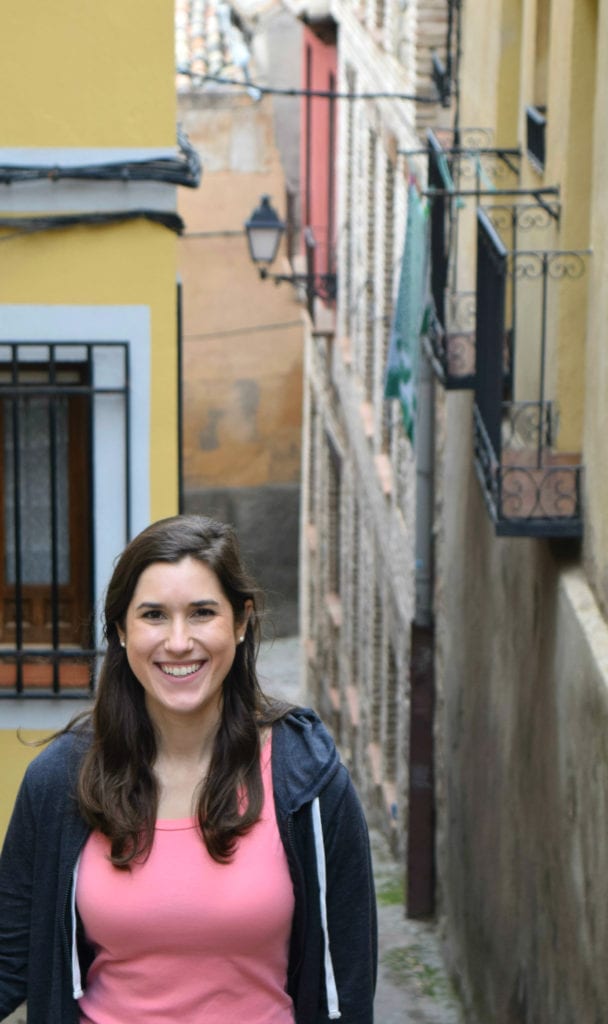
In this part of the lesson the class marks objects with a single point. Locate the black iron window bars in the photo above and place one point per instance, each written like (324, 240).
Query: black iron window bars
(57, 403)
(530, 487)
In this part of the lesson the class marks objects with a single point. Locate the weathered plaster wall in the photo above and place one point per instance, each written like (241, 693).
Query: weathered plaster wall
(242, 352)
(523, 731)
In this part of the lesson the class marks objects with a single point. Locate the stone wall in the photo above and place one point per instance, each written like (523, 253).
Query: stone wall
(523, 738)
(357, 577)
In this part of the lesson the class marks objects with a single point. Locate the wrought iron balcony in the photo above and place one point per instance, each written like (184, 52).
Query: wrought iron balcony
(531, 488)
(459, 166)
(451, 349)
(536, 123)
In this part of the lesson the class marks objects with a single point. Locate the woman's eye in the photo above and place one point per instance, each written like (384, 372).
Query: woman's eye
(153, 614)
(202, 613)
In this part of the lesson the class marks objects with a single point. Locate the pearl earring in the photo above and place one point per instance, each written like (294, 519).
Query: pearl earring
(241, 638)
(122, 643)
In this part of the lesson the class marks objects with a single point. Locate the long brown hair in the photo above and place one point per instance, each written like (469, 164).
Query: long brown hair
(117, 789)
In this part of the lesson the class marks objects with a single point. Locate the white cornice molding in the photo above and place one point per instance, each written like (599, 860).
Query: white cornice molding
(79, 156)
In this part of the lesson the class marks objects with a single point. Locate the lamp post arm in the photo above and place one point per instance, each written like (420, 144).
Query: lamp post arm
(323, 285)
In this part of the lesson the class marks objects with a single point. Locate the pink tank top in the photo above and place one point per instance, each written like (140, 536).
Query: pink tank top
(184, 939)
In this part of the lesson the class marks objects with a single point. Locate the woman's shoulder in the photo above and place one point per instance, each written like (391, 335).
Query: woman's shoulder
(59, 760)
(305, 760)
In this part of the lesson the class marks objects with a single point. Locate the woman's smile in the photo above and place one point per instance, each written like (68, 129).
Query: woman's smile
(180, 637)
(180, 671)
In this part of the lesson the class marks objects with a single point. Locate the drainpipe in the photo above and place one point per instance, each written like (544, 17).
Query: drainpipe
(421, 819)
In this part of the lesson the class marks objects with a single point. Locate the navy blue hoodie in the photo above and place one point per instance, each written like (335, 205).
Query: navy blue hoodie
(333, 949)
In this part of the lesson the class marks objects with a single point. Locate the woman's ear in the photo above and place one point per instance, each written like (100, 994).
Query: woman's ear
(122, 636)
(241, 627)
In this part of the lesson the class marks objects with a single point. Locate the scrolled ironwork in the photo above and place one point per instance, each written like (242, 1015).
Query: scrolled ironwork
(476, 138)
(570, 265)
(559, 265)
(547, 492)
(530, 424)
(521, 216)
(492, 165)
(532, 217)
(501, 218)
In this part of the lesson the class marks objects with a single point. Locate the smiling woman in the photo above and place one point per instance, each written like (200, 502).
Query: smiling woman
(190, 848)
(181, 627)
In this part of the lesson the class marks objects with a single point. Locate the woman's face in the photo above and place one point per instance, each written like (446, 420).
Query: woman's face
(181, 636)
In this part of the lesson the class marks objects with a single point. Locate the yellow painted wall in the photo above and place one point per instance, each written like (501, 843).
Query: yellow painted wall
(87, 73)
(596, 379)
(480, 61)
(509, 30)
(527, 755)
(132, 263)
(83, 73)
(14, 759)
(509, 72)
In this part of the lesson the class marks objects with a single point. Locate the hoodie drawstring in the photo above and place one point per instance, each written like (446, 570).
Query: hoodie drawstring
(331, 989)
(77, 990)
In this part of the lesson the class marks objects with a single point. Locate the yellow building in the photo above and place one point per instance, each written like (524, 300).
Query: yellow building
(522, 534)
(89, 345)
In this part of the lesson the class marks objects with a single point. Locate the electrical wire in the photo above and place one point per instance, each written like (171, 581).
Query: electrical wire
(184, 169)
(265, 90)
(256, 329)
(31, 225)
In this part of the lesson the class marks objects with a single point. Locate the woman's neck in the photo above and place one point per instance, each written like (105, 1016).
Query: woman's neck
(184, 752)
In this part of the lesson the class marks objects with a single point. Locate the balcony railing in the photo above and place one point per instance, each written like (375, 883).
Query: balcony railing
(459, 176)
(530, 487)
(529, 491)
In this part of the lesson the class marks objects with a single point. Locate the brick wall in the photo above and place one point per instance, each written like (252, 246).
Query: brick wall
(358, 503)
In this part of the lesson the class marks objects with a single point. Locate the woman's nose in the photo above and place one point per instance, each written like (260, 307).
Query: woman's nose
(178, 638)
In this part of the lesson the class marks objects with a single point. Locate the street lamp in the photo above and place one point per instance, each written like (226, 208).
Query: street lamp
(264, 231)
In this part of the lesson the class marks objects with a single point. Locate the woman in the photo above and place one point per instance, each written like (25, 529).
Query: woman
(190, 850)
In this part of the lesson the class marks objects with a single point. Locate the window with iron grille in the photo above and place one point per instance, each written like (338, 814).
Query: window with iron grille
(59, 403)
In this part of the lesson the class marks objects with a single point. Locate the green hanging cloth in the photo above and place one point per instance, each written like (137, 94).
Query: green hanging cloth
(410, 314)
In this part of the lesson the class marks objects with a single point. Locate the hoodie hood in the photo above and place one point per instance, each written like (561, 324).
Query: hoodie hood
(306, 759)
